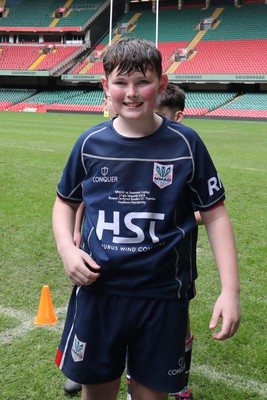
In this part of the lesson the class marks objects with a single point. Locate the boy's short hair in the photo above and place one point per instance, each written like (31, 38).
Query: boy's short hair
(172, 97)
(131, 55)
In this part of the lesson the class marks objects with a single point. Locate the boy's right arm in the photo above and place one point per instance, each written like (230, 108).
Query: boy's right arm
(227, 306)
(74, 259)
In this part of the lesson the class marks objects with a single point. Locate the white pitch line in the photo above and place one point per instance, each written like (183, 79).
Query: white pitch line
(249, 168)
(234, 381)
(26, 323)
(28, 148)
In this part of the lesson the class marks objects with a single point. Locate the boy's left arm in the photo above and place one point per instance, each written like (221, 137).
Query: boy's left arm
(221, 237)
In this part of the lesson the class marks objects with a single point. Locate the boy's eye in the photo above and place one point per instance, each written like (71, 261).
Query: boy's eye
(120, 83)
(143, 82)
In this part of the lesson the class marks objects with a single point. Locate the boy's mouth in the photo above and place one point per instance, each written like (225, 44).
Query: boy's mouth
(133, 105)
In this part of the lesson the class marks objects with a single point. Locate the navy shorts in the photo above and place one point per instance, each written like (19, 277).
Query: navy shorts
(191, 291)
(101, 328)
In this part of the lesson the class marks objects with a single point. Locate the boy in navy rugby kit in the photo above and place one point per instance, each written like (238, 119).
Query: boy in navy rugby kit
(171, 104)
(140, 177)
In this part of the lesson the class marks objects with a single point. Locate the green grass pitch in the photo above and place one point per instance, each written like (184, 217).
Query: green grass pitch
(34, 148)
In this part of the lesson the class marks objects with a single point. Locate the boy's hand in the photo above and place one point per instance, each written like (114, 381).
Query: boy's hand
(226, 307)
(80, 267)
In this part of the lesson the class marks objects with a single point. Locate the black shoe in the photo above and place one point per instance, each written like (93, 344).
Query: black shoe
(71, 387)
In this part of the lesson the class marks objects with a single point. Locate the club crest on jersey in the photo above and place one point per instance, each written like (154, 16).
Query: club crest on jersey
(77, 350)
(162, 175)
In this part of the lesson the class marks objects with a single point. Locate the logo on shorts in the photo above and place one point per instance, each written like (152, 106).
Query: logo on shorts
(77, 350)
(162, 175)
(180, 369)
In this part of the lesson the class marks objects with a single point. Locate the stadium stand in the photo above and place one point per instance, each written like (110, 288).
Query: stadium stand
(9, 97)
(79, 13)
(220, 104)
(246, 22)
(29, 13)
(222, 57)
(91, 101)
(224, 49)
(201, 103)
(248, 105)
(62, 100)
(66, 41)
(238, 44)
(36, 57)
(19, 57)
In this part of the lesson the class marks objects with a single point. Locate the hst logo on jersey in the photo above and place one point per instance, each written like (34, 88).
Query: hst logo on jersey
(130, 222)
(162, 175)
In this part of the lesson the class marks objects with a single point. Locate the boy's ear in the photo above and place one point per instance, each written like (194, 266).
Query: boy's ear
(163, 83)
(105, 85)
(179, 116)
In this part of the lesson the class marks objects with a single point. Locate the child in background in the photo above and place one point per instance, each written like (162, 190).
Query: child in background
(140, 176)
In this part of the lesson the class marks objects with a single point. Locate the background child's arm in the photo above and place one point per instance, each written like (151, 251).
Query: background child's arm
(198, 218)
(74, 259)
(222, 241)
(77, 235)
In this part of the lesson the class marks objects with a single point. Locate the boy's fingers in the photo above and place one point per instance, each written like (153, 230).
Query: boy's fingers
(83, 276)
(224, 332)
(85, 271)
(90, 263)
(229, 328)
(214, 320)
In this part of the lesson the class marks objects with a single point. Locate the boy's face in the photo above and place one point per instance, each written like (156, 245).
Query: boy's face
(170, 113)
(134, 96)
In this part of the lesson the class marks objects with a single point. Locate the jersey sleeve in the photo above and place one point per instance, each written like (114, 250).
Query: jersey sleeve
(206, 186)
(70, 185)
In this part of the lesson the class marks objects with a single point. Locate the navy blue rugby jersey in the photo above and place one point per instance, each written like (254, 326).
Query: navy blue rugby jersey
(140, 195)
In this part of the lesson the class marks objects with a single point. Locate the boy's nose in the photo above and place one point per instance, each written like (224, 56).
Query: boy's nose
(132, 91)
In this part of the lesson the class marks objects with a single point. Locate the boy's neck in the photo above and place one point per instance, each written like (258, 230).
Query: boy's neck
(137, 128)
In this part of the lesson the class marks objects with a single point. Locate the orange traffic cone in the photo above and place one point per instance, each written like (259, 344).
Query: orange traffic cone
(46, 314)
